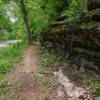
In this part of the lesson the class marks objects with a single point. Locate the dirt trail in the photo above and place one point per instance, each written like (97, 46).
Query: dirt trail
(26, 76)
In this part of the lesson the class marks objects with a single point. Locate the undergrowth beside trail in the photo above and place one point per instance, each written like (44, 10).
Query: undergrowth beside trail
(9, 56)
(49, 57)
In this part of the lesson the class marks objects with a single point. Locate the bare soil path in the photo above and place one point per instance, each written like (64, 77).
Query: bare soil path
(25, 75)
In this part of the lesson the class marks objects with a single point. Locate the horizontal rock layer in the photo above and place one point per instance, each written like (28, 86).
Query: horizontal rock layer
(80, 42)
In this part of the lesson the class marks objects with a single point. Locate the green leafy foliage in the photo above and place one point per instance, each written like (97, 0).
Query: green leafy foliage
(4, 22)
(55, 82)
(44, 71)
(9, 55)
(97, 87)
(93, 83)
(11, 22)
(2, 83)
(41, 12)
(43, 81)
(49, 60)
(76, 8)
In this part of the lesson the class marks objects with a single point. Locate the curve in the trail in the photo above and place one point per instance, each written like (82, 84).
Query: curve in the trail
(4, 44)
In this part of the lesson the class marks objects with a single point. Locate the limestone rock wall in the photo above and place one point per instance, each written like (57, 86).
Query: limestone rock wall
(79, 43)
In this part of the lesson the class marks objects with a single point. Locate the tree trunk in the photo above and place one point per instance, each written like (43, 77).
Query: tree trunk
(25, 19)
